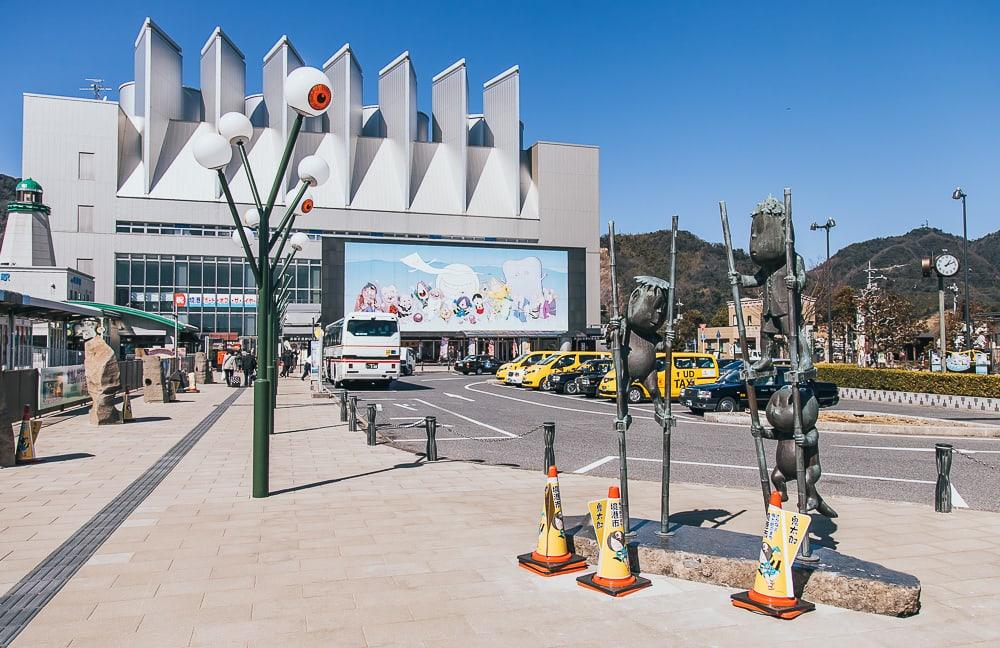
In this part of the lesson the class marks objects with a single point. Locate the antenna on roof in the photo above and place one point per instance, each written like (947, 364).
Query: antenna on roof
(97, 87)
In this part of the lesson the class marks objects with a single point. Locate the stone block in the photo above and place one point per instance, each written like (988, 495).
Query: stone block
(103, 381)
(155, 389)
(203, 369)
(730, 559)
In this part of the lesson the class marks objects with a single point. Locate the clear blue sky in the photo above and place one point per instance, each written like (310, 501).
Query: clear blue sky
(871, 112)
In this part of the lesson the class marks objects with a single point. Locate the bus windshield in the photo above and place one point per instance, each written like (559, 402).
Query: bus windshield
(372, 328)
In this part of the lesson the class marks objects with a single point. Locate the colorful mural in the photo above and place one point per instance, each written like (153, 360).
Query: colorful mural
(441, 288)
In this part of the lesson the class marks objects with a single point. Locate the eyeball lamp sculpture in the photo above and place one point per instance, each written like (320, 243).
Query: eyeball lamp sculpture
(212, 151)
(305, 204)
(236, 236)
(307, 92)
(298, 241)
(314, 170)
(251, 217)
(236, 128)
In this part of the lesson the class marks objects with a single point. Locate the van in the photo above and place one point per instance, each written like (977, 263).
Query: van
(689, 369)
(536, 376)
(510, 373)
(407, 361)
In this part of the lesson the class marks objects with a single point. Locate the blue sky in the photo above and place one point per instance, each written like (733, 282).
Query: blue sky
(871, 112)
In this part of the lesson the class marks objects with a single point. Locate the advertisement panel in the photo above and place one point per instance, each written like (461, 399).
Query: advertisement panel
(61, 385)
(442, 288)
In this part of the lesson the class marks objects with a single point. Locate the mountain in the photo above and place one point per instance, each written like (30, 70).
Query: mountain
(7, 184)
(702, 283)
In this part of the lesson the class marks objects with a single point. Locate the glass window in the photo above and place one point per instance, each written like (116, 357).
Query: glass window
(152, 273)
(684, 363)
(167, 274)
(208, 274)
(181, 274)
(223, 274)
(121, 272)
(121, 296)
(138, 272)
(195, 270)
(706, 363)
(372, 328)
(236, 273)
(222, 322)
(301, 276)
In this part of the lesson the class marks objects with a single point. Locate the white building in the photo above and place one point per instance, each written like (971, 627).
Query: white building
(131, 206)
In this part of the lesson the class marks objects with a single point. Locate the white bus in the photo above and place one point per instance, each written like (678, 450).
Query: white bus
(362, 346)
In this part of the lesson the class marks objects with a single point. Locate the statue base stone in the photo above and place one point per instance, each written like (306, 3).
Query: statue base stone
(7, 446)
(730, 559)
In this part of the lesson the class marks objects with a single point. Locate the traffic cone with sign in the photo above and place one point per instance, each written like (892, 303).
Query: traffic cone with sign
(773, 593)
(614, 576)
(26, 437)
(192, 387)
(127, 416)
(552, 555)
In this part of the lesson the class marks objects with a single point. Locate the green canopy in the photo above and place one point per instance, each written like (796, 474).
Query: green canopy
(126, 311)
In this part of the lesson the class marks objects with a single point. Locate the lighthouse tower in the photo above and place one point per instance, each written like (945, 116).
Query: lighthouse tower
(27, 240)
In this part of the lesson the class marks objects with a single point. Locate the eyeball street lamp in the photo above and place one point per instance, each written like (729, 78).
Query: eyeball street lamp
(313, 170)
(236, 128)
(300, 204)
(237, 239)
(251, 217)
(298, 241)
(212, 151)
(307, 92)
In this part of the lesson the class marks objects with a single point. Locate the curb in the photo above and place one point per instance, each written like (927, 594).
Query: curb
(947, 428)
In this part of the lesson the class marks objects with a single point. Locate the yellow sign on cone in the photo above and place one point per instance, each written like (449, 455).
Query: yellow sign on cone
(614, 575)
(773, 591)
(26, 437)
(552, 555)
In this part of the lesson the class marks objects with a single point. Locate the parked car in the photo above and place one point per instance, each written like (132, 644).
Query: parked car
(730, 395)
(407, 361)
(510, 372)
(587, 377)
(689, 369)
(537, 376)
(478, 364)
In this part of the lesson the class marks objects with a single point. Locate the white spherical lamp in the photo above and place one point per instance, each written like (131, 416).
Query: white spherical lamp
(212, 151)
(307, 91)
(298, 240)
(314, 170)
(251, 217)
(305, 204)
(236, 128)
(236, 236)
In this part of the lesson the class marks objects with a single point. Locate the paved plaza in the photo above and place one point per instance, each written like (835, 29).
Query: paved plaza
(372, 546)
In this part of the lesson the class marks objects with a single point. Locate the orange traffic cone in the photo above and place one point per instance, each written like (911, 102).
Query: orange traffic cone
(552, 555)
(192, 387)
(127, 416)
(614, 576)
(773, 593)
(25, 439)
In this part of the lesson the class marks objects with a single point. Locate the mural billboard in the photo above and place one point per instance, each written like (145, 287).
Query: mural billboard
(442, 288)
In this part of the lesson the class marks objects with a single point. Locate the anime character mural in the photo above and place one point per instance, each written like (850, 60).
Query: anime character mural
(367, 301)
(390, 299)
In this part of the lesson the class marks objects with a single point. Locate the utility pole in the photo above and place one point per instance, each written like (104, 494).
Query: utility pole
(827, 226)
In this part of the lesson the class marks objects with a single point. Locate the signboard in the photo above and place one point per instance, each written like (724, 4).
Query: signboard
(180, 300)
(215, 300)
(451, 288)
(61, 385)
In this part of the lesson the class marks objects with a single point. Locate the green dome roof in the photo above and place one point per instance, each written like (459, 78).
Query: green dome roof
(28, 185)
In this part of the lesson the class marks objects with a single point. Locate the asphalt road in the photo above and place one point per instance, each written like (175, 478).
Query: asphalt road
(481, 420)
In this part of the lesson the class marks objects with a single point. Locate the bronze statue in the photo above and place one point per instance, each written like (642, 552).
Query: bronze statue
(781, 415)
(767, 250)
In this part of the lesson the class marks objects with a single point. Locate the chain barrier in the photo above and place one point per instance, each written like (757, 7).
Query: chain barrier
(969, 455)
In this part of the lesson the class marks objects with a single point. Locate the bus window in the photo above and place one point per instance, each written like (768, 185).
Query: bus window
(372, 328)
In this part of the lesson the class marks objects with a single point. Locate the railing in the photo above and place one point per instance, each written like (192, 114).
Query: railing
(27, 357)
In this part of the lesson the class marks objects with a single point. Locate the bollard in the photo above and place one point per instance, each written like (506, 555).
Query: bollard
(549, 433)
(432, 449)
(371, 424)
(352, 420)
(942, 493)
(342, 394)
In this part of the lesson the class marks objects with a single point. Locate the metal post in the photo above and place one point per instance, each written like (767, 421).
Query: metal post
(829, 304)
(618, 354)
(372, 410)
(667, 417)
(942, 491)
(432, 450)
(549, 434)
(965, 238)
(756, 429)
(352, 421)
(943, 333)
(342, 395)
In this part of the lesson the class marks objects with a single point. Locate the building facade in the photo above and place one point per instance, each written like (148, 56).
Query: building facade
(131, 206)
(724, 341)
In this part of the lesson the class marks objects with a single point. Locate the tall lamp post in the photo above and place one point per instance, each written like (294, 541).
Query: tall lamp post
(307, 92)
(828, 225)
(958, 194)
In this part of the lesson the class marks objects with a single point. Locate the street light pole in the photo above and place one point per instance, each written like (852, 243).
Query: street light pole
(828, 225)
(958, 194)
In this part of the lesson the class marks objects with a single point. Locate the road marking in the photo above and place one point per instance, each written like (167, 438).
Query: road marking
(406, 418)
(825, 474)
(405, 406)
(531, 402)
(591, 466)
(957, 500)
(442, 379)
(450, 395)
(915, 449)
(470, 420)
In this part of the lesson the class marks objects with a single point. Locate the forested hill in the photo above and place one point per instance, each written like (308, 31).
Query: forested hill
(7, 184)
(702, 284)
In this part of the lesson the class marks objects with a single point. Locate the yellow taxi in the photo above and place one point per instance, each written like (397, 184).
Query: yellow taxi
(511, 371)
(537, 376)
(689, 369)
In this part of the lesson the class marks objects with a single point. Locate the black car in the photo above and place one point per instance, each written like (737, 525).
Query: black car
(478, 364)
(589, 375)
(729, 394)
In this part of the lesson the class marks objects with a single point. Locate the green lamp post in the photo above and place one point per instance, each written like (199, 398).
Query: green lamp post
(307, 92)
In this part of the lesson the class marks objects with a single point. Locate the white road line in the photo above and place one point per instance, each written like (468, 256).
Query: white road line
(406, 418)
(591, 466)
(864, 447)
(957, 500)
(405, 406)
(442, 379)
(825, 474)
(470, 420)
(450, 395)
(531, 402)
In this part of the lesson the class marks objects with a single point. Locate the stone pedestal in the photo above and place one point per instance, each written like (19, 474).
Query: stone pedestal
(155, 388)
(202, 368)
(103, 381)
(8, 445)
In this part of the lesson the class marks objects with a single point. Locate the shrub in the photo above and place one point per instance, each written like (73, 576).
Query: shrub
(904, 380)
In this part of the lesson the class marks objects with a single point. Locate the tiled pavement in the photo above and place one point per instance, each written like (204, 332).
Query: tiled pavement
(366, 546)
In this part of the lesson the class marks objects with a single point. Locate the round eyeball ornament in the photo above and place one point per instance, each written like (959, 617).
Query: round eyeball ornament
(298, 240)
(236, 236)
(251, 217)
(314, 170)
(307, 91)
(305, 203)
(236, 128)
(212, 151)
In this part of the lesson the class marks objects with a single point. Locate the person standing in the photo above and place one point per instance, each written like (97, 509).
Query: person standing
(249, 369)
(229, 367)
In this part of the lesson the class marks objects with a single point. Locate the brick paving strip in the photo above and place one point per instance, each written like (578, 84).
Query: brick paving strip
(27, 598)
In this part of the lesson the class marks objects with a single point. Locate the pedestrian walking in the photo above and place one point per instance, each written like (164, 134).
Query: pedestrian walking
(249, 366)
(229, 367)
(306, 369)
